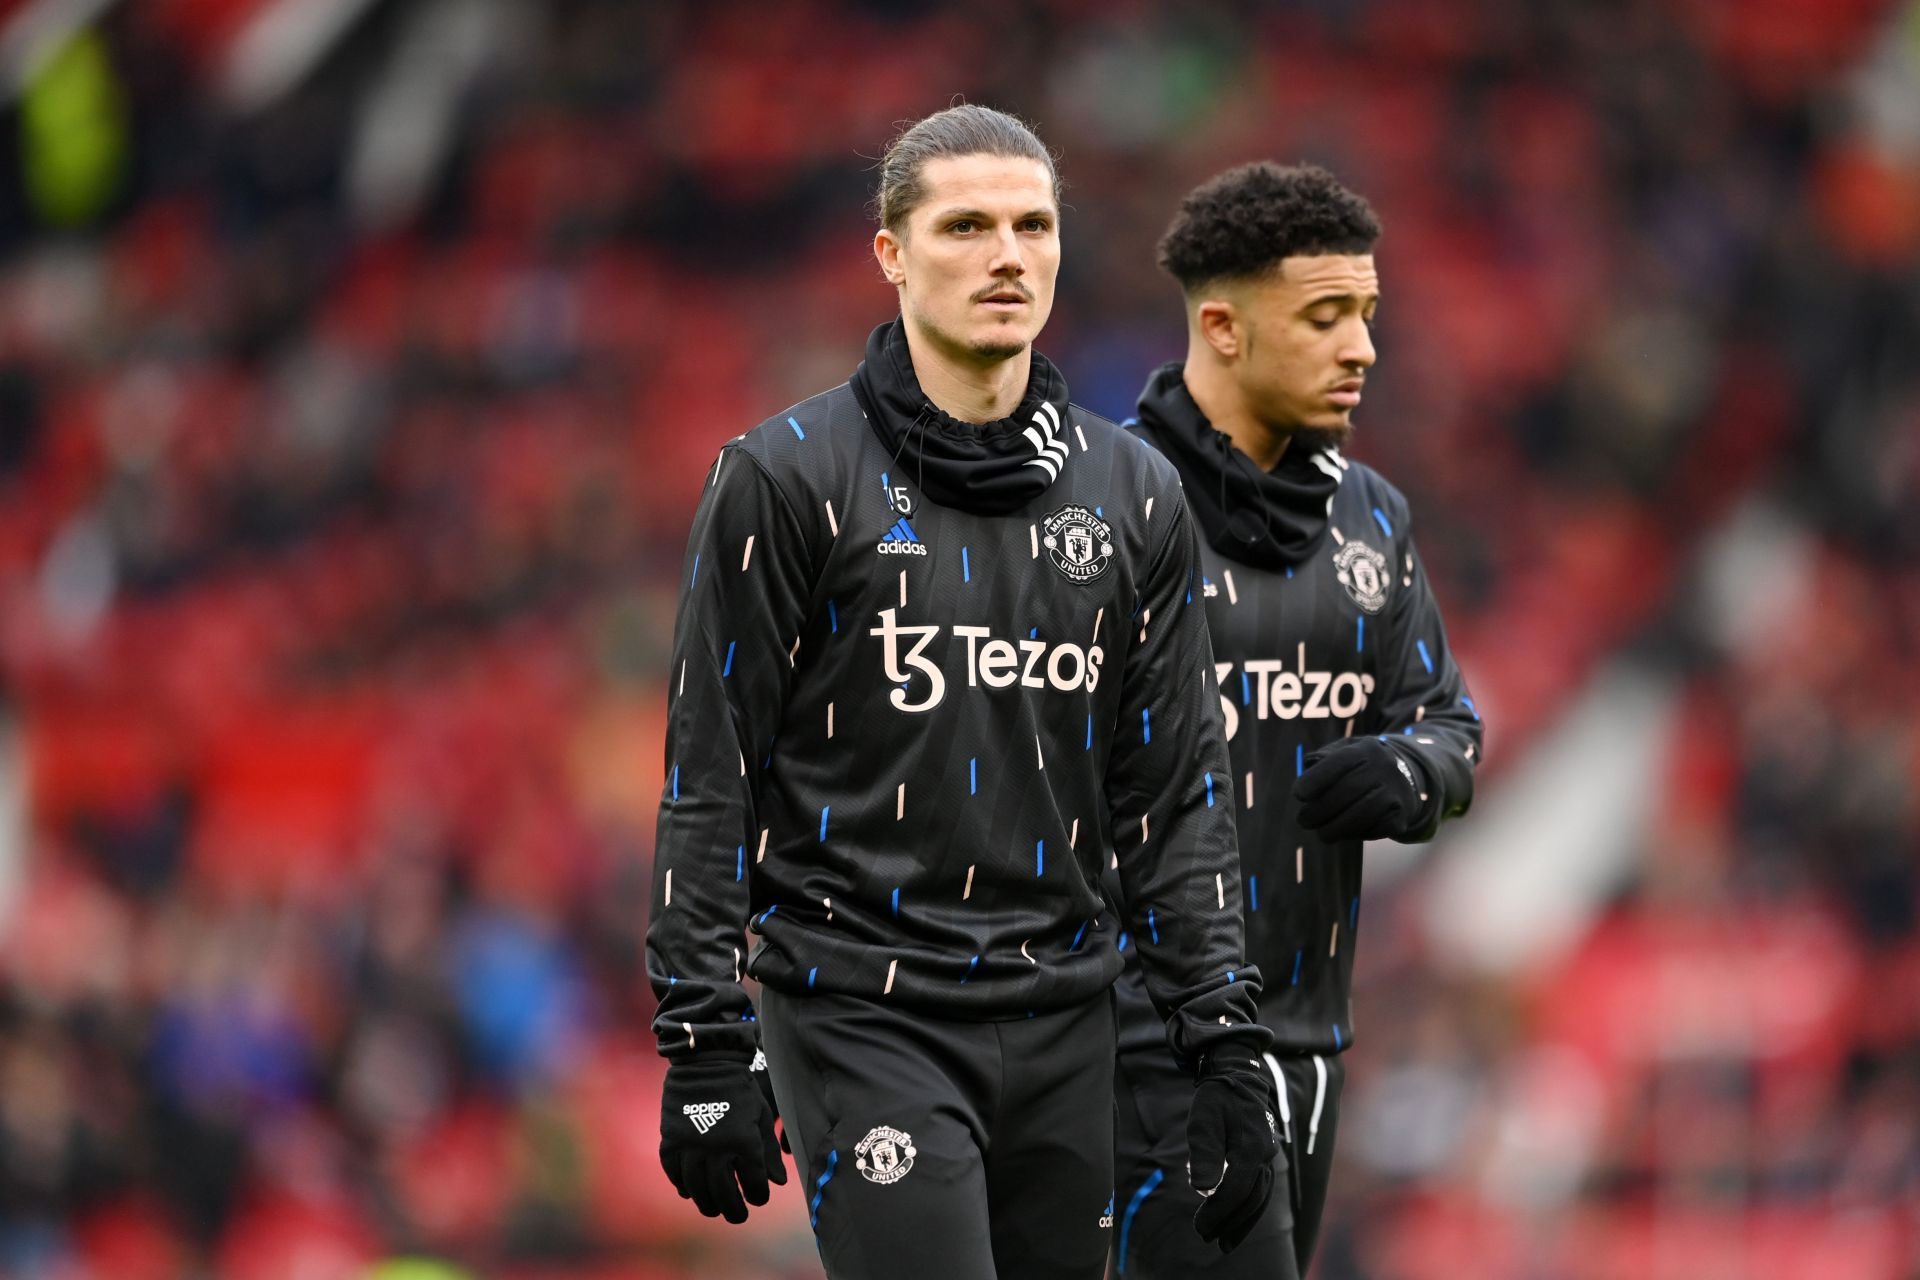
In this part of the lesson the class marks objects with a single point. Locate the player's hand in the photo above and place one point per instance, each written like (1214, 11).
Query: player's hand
(716, 1135)
(1232, 1143)
(764, 1078)
(1358, 789)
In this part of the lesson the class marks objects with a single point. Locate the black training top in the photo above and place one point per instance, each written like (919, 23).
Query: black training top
(906, 738)
(1323, 625)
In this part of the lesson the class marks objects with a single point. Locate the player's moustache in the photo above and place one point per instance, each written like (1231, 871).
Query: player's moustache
(1013, 286)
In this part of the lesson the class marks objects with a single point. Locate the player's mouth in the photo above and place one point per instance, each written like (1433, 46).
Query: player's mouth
(1005, 298)
(1346, 394)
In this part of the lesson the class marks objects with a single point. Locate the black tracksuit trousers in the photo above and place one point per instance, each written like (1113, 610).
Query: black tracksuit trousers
(950, 1150)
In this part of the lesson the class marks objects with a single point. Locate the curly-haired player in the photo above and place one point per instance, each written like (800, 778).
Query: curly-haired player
(1346, 718)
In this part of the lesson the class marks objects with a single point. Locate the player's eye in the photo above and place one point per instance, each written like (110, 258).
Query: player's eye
(961, 225)
(1037, 225)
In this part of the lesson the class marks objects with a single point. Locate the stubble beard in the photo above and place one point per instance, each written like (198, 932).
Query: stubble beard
(1316, 439)
(996, 350)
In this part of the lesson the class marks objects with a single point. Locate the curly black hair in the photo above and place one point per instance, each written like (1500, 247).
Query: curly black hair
(1241, 223)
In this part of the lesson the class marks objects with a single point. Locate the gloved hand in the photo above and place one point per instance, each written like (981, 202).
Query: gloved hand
(1359, 789)
(764, 1078)
(716, 1135)
(1232, 1139)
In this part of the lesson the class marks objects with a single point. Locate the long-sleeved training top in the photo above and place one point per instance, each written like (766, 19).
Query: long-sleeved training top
(905, 739)
(1335, 632)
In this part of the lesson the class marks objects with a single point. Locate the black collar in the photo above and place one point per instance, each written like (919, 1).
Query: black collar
(990, 468)
(1270, 519)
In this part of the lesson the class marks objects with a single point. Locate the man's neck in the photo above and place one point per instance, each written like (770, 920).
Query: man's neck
(1219, 398)
(964, 389)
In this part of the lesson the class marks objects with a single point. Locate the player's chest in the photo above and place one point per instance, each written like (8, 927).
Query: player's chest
(938, 600)
(1298, 646)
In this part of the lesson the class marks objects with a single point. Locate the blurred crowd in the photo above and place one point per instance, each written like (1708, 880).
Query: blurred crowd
(337, 571)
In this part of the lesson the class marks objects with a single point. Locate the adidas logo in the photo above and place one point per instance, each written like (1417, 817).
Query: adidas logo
(705, 1115)
(901, 540)
(1106, 1218)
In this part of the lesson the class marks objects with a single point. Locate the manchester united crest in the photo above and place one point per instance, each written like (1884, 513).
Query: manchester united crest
(1079, 543)
(885, 1155)
(1363, 572)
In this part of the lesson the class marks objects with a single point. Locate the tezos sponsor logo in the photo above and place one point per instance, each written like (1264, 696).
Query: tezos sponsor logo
(885, 1155)
(1079, 543)
(1363, 572)
(705, 1115)
(1268, 689)
(1034, 664)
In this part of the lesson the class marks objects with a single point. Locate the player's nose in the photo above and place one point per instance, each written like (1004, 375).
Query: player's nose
(1009, 258)
(1357, 352)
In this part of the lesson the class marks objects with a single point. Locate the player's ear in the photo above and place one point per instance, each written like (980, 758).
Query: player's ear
(1216, 321)
(886, 251)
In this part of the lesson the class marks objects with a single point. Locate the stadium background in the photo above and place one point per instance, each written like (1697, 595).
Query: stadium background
(359, 362)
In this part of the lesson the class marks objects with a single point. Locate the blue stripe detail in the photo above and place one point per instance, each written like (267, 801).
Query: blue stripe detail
(833, 617)
(820, 1188)
(1229, 977)
(1033, 633)
(1089, 730)
(696, 571)
(1209, 777)
(1467, 702)
(1152, 928)
(1039, 857)
(970, 967)
(824, 811)
(896, 899)
(812, 974)
(1299, 758)
(1289, 571)
(796, 427)
(676, 782)
(1353, 914)
(1120, 943)
(728, 669)
(1253, 893)
(973, 775)
(1337, 1042)
(1146, 724)
(768, 912)
(1246, 691)
(1147, 1188)
(1425, 657)
(1360, 634)
(1078, 934)
(1296, 967)
(1102, 514)
(1380, 518)
(886, 489)
(740, 862)
(966, 566)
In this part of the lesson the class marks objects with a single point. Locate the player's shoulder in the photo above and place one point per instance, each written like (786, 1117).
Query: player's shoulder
(1132, 453)
(804, 445)
(1378, 497)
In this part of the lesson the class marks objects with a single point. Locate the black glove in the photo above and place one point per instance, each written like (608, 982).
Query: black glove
(715, 1126)
(1359, 789)
(1232, 1140)
(764, 1078)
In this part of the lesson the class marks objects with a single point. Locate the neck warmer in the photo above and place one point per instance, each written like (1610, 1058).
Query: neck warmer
(990, 468)
(1269, 519)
